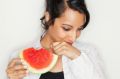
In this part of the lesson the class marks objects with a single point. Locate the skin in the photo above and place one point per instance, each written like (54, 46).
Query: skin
(16, 71)
(63, 34)
(60, 36)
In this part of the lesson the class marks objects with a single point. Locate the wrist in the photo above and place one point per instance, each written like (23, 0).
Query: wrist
(75, 55)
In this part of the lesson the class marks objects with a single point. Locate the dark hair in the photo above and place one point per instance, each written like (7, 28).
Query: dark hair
(55, 8)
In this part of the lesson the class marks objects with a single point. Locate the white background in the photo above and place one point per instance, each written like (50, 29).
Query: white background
(20, 24)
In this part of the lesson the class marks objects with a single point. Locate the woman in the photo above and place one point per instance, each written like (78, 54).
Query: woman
(63, 22)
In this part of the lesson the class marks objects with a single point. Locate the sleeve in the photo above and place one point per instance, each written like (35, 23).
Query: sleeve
(87, 65)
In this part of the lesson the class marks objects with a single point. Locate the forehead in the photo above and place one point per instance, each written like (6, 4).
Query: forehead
(72, 17)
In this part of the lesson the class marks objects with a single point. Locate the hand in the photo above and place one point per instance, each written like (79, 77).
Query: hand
(16, 70)
(63, 48)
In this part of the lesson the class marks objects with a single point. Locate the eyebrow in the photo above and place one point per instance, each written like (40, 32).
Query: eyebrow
(72, 26)
(67, 25)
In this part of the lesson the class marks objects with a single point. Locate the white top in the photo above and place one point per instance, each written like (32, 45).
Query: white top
(87, 66)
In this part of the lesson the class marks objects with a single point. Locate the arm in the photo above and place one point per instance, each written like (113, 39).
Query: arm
(87, 65)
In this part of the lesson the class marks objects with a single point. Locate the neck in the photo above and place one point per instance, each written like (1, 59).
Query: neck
(46, 41)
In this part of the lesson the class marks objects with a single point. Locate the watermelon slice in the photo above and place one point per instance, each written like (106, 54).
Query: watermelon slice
(38, 60)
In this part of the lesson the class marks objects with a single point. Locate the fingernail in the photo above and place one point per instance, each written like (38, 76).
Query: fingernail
(23, 63)
(21, 60)
(25, 67)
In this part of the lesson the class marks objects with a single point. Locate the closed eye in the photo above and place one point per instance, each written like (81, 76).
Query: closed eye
(66, 29)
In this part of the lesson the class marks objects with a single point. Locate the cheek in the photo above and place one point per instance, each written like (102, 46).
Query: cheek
(78, 34)
(60, 34)
(57, 33)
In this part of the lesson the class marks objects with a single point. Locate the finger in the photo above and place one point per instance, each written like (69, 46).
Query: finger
(59, 45)
(14, 62)
(15, 68)
(22, 72)
(18, 67)
(17, 73)
(13, 77)
(55, 43)
(19, 76)
(61, 50)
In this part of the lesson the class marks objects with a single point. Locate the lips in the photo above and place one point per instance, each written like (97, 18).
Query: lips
(70, 43)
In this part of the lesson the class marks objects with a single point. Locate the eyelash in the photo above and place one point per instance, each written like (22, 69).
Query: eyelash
(69, 29)
(66, 29)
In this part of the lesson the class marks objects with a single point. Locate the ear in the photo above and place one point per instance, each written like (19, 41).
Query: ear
(47, 16)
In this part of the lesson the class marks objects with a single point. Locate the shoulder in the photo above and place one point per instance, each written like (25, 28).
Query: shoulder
(84, 46)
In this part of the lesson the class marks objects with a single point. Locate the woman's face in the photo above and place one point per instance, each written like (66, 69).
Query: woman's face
(67, 28)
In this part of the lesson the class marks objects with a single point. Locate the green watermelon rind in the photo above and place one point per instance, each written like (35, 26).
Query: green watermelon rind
(41, 71)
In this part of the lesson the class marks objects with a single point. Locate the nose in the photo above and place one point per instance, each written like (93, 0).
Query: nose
(72, 37)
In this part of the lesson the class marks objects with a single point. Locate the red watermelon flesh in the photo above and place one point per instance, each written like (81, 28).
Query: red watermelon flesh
(39, 60)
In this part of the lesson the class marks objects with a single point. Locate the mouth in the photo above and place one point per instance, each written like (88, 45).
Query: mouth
(69, 43)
